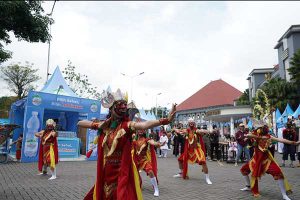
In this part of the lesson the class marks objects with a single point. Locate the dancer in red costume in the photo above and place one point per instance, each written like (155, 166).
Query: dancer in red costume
(194, 150)
(48, 151)
(117, 175)
(263, 162)
(145, 157)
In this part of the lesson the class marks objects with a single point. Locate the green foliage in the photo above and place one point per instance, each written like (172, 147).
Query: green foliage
(5, 103)
(244, 98)
(161, 111)
(294, 69)
(79, 83)
(280, 92)
(19, 78)
(26, 19)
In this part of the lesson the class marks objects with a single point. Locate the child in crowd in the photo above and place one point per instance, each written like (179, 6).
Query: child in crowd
(164, 144)
(232, 150)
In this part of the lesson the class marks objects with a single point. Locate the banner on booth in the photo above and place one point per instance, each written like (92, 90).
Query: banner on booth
(68, 147)
(37, 103)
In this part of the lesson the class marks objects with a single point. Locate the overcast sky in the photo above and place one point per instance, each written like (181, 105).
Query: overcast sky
(181, 46)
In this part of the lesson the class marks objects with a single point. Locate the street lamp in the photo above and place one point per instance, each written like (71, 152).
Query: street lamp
(131, 78)
(156, 104)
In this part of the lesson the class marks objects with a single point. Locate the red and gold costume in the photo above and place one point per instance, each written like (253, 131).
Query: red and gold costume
(18, 149)
(117, 175)
(145, 156)
(194, 151)
(48, 151)
(262, 162)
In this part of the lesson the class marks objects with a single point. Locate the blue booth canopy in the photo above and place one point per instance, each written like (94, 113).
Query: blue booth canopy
(287, 112)
(57, 85)
(277, 114)
(297, 112)
(56, 100)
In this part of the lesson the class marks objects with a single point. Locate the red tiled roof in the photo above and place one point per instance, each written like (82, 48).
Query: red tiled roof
(215, 93)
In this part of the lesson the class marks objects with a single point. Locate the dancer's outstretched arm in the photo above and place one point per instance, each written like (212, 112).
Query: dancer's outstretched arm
(274, 139)
(93, 125)
(284, 140)
(250, 135)
(179, 131)
(85, 124)
(202, 131)
(153, 123)
(152, 142)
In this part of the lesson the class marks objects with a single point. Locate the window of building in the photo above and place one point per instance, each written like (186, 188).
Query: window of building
(284, 42)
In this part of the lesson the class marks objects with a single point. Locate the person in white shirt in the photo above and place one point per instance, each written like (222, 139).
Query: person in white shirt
(164, 144)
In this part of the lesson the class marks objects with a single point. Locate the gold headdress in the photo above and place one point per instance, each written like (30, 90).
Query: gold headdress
(258, 123)
(261, 110)
(108, 97)
(50, 122)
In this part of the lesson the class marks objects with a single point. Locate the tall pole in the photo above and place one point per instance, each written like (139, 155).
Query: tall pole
(48, 62)
(131, 78)
(48, 56)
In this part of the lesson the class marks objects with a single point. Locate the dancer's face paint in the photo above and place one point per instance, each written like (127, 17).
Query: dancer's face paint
(120, 108)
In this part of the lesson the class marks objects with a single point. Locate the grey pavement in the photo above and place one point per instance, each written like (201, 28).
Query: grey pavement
(20, 181)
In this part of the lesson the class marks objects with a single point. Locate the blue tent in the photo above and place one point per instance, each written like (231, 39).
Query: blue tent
(142, 115)
(277, 114)
(297, 112)
(151, 116)
(57, 85)
(145, 116)
(56, 101)
(287, 112)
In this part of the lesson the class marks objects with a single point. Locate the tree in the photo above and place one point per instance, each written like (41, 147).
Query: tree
(161, 111)
(244, 98)
(26, 19)
(294, 69)
(5, 103)
(20, 78)
(280, 92)
(79, 83)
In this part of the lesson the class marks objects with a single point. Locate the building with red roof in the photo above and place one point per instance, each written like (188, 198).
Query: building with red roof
(215, 102)
(215, 93)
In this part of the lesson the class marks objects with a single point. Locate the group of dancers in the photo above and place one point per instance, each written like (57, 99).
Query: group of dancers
(123, 150)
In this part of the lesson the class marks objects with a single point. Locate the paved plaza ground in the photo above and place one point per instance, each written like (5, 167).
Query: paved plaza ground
(19, 181)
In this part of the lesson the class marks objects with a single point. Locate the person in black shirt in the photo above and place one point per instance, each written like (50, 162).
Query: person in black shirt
(178, 141)
(214, 143)
(290, 134)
